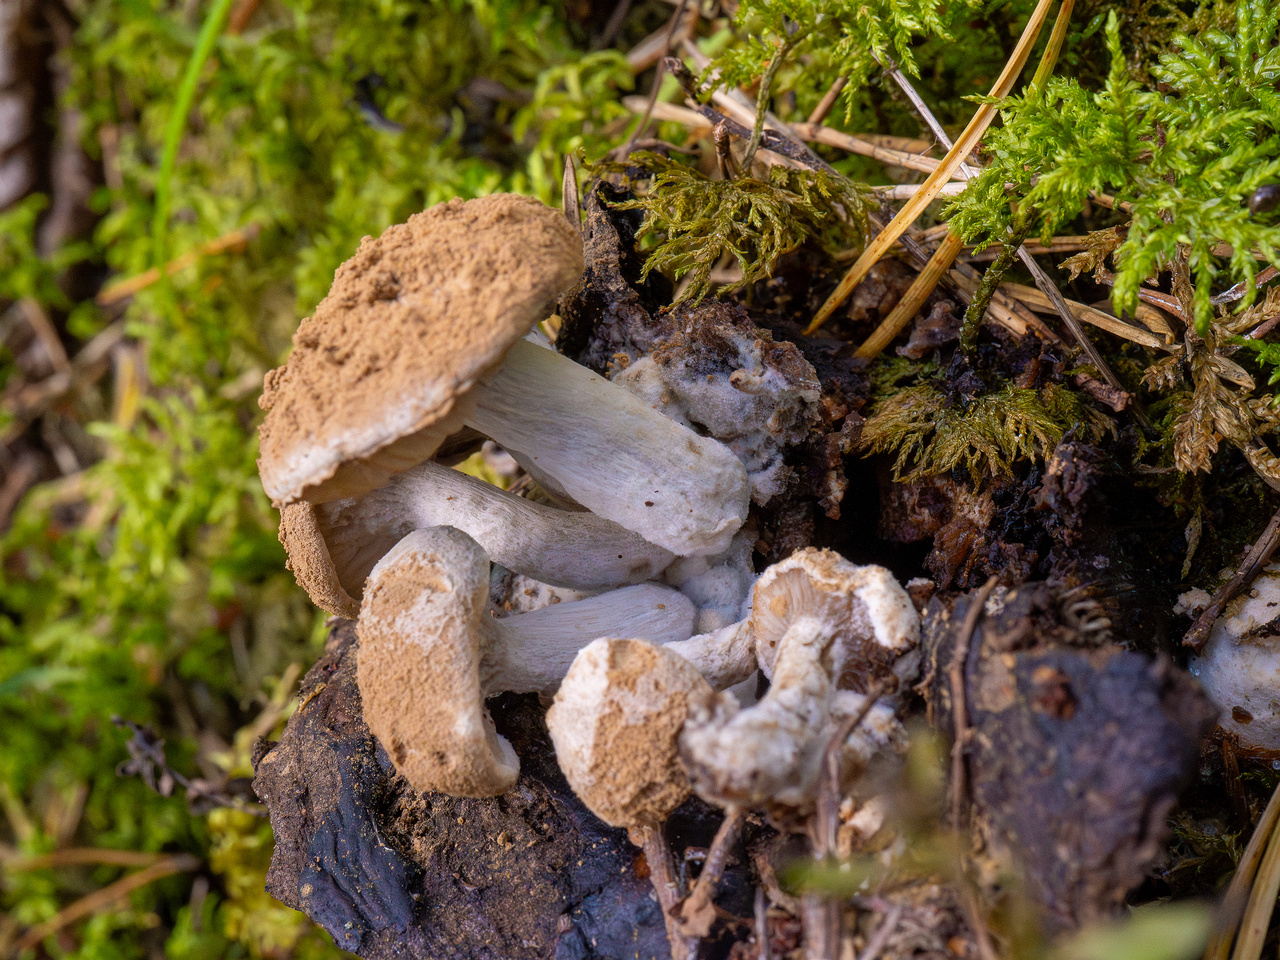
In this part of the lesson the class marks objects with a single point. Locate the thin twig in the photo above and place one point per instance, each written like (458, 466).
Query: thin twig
(876, 943)
(122, 289)
(828, 806)
(1257, 558)
(1240, 289)
(698, 910)
(657, 82)
(77, 856)
(959, 704)
(828, 100)
(657, 854)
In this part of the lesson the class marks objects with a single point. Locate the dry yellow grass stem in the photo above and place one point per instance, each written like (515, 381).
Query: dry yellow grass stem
(1220, 946)
(950, 163)
(914, 298)
(235, 240)
(1262, 900)
(1036, 300)
(101, 899)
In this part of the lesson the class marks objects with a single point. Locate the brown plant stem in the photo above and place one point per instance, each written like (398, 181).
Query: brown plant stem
(959, 704)
(1256, 559)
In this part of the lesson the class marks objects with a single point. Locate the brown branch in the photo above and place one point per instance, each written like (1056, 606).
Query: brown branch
(698, 912)
(657, 854)
(77, 856)
(828, 101)
(123, 289)
(959, 705)
(1256, 559)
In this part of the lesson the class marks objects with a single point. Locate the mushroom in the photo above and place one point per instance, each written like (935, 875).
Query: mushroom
(718, 585)
(822, 627)
(430, 653)
(1239, 666)
(717, 371)
(333, 546)
(421, 334)
(615, 723)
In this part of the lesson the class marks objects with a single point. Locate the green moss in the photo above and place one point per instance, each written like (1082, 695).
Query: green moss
(986, 436)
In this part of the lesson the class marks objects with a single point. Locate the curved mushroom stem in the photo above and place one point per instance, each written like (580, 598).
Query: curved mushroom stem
(724, 657)
(760, 753)
(612, 453)
(561, 547)
(531, 652)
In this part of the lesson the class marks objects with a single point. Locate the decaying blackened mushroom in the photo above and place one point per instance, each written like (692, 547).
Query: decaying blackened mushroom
(430, 653)
(823, 629)
(422, 334)
(1239, 666)
(719, 372)
(333, 546)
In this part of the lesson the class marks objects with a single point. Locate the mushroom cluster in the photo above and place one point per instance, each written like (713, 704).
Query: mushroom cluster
(424, 347)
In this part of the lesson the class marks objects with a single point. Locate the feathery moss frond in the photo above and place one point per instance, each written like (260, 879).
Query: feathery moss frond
(986, 436)
(756, 221)
(1186, 157)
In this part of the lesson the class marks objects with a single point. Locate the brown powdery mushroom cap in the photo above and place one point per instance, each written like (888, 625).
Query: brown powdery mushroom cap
(378, 372)
(418, 668)
(615, 723)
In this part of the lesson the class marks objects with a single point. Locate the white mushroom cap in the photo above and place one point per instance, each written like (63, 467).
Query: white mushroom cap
(821, 626)
(559, 547)
(615, 723)
(1239, 666)
(430, 653)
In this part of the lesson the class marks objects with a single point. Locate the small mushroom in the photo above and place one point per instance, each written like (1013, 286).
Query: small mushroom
(822, 628)
(1239, 666)
(333, 546)
(430, 653)
(615, 724)
(421, 334)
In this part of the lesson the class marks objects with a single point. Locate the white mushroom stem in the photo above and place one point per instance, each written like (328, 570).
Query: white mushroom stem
(724, 657)
(561, 547)
(531, 652)
(612, 453)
